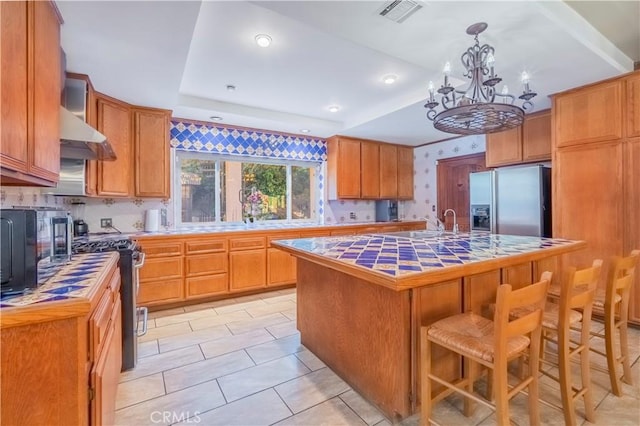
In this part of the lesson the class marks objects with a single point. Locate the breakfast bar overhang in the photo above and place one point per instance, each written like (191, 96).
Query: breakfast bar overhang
(361, 299)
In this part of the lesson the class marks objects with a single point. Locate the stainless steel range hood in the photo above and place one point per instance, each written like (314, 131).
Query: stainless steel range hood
(78, 139)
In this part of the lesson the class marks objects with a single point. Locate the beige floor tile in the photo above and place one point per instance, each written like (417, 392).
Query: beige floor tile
(151, 323)
(164, 361)
(287, 291)
(241, 305)
(333, 412)
(291, 314)
(148, 348)
(235, 342)
(195, 337)
(142, 389)
(310, 360)
(275, 349)
(283, 330)
(311, 389)
(367, 412)
(166, 331)
(271, 298)
(621, 411)
(270, 308)
(263, 376)
(250, 297)
(165, 312)
(187, 316)
(175, 406)
(243, 326)
(200, 323)
(203, 371)
(207, 305)
(263, 408)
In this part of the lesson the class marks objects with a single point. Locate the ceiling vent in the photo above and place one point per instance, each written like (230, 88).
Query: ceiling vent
(399, 10)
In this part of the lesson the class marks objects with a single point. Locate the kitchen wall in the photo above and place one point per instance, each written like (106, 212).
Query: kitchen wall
(128, 215)
(425, 160)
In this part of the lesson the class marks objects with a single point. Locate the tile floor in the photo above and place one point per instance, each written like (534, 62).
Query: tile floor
(240, 362)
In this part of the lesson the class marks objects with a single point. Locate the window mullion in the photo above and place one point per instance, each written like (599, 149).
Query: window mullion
(288, 193)
(216, 200)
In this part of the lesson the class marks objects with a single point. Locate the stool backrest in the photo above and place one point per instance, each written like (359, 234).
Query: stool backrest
(579, 288)
(621, 277)
(532, 296)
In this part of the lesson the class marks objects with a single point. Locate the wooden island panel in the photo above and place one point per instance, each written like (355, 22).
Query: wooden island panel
(361, 331)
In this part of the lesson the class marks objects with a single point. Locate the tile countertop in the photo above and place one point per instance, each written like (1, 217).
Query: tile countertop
(398, 255)
(258, 226)
(74, 280)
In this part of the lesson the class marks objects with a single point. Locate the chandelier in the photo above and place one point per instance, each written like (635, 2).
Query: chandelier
(475, 111)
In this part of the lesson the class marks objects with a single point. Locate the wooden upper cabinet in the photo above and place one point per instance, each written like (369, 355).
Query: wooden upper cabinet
(114, 121)
(388, 171)
(405, 173)
(590, 114)
(633, 105)
(369, 163)
(536, 137)
(31, 86)
(343, 167)
(504, 147)
(151, 147)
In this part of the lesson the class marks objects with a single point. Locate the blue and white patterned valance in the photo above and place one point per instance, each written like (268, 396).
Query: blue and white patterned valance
(200, 137)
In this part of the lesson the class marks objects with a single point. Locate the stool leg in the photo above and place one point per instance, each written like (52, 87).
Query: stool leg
(471, 372)
(610, 350)
(585, 368)
(624, 351)
(501, 389)
(425, 381)
(564, 365)
(534, 367)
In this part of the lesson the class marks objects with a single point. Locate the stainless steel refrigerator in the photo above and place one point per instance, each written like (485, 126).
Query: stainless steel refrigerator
(512, 200)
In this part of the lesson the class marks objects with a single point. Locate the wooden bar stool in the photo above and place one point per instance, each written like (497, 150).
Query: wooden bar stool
(613, 301)
(491, 344)
(574, 306)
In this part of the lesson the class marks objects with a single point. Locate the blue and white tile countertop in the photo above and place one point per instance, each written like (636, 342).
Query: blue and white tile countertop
(400, 255)
(68, 281)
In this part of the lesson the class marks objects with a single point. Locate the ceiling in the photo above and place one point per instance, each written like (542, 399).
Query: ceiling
(182, 55)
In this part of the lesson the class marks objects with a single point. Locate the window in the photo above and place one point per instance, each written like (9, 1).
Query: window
(227, 189)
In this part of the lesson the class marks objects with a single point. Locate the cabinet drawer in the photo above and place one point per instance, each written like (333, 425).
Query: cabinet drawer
(161, 268)
(159, 292)
(246, 243)
(207, 286)
(206, 246)
(214, 263)
(163, 249)
(271, 238)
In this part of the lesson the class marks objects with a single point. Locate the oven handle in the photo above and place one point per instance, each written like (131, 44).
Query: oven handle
(136, 268)
(144, 311)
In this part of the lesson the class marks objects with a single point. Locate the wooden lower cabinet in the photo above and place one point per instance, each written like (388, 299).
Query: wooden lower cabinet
(247, 269)
(61, 360)
(191, 268)
(210, 285)
(160, 292)
(281, 268)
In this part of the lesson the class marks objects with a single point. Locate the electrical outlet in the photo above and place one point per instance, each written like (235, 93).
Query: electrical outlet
(106, 222)
(163, 217)
(352, 215)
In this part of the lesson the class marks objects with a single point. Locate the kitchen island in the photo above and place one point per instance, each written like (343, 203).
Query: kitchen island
(362, 299)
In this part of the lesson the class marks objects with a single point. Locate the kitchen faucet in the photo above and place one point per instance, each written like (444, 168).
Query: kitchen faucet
(455, 222)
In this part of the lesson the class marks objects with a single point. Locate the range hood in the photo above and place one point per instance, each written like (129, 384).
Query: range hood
(79, 140)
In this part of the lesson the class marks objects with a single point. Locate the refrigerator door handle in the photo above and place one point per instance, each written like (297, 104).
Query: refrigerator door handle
(494, 203)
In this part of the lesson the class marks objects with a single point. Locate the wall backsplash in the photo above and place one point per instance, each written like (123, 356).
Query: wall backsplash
(128, 214)
(425, 160)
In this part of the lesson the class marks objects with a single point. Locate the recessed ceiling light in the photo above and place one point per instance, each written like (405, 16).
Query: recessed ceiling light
(334, 108)
(389, 78)
(231, 87)
(304, 130)
(215, 118)
(263, 40)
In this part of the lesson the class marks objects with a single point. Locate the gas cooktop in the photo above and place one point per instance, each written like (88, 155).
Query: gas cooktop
(102, 243)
